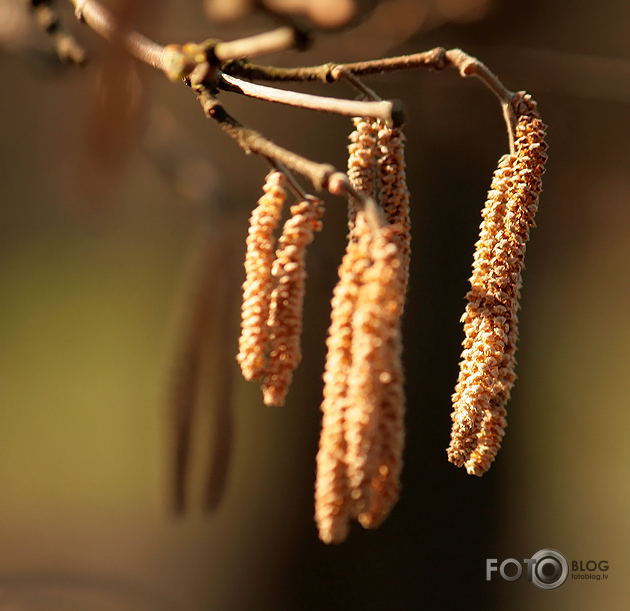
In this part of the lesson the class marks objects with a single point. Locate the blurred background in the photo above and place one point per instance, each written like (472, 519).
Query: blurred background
(105, 197)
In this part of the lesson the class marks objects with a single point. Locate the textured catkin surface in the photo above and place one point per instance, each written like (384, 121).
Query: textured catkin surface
(332, 493)
(374, 431)
(360, 455)
(287, 298)
(393, 192)
(490, 320)
(258, 285)
(361, 164)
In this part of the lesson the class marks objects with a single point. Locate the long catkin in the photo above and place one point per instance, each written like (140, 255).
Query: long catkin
(374, 422)
(490, 320)
(332, 494)
(258, 285)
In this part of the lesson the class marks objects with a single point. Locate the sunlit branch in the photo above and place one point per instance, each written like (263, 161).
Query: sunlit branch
(389, 111)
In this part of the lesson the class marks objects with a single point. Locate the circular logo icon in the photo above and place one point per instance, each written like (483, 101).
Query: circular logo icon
(551, 569)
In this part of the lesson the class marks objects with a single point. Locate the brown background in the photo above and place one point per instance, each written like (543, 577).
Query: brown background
(91, 276)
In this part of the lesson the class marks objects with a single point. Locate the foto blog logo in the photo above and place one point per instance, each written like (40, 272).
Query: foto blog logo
(547, 569)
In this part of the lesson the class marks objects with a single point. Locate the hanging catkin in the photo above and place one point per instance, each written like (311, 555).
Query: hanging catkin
(360, 455)
(332, 497)
(361, 164)
(373, 431)
(287, 299)
(393, 192)
(253, 342)
(490, 320)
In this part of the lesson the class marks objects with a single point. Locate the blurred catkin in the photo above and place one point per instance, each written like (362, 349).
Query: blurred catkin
(490, 320)
(287, 298)
(257, 288)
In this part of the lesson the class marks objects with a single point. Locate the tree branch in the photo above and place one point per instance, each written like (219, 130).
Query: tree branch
(435, 59)
(389, 112)
(281, 39)
(253, 142)
(102, 22)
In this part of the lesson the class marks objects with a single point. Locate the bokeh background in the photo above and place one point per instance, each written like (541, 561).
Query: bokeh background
(101, 214)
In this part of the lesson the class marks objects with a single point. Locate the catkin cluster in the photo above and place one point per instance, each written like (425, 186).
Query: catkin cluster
(362, 439)
(490, 320)
(273, 291)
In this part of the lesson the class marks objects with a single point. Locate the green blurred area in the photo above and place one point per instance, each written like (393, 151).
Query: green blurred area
(92, 290)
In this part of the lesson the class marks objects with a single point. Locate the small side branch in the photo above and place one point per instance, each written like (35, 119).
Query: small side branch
(390, 112)
(281, 39)
(253, 142)
(435, 59)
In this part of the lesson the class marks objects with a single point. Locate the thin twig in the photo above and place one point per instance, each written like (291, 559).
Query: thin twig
(253, 142)
(281, 39)
(102, 22)
(389, 111)
(291, 181)
(471, 66)
(340, 72)
(435, 59)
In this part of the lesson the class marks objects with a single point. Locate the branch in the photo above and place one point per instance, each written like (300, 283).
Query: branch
(390, 112)
(281, 39)
(435, 59)
(253, 142)
(102, 22)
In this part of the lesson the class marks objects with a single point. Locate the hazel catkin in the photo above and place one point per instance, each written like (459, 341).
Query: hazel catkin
(490, 320)
(287, 298)
(253, 342)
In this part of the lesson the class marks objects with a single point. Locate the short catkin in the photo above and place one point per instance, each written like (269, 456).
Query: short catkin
(287, 298)
(490, 320)
(258, 285)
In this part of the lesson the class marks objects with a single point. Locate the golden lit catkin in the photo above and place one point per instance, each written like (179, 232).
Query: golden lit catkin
(360, 456)
(490, 320)
(287, 298)
(253, 342)
(373, 429)
(331, 487)
(393, 192)
(361, 163)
